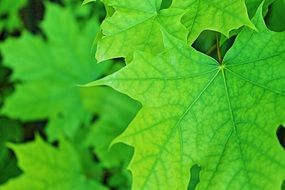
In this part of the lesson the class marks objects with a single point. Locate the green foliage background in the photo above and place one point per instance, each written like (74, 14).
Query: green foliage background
(55, 134)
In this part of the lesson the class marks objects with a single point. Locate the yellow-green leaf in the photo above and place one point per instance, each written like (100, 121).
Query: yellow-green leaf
(218, 15)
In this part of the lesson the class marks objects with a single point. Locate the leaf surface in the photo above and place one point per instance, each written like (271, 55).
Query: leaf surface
(134, 27)
(218, 15)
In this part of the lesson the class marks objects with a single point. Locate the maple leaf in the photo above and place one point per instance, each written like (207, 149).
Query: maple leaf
(49, 71)
(134, 27)
(222, 117)
(217, 15)
(46, 167)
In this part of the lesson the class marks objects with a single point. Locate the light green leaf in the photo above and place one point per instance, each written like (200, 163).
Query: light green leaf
(218, 15)
(134, 27)
(222, 117)
(50, 71)
(45, 167)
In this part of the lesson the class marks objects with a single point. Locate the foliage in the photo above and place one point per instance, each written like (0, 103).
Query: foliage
(54, 163)
(9, 131)
(199, 103)
(57, 60)
(220, 114)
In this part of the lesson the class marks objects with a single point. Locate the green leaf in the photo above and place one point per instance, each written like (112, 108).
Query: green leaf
(11, 8)
(134, 27)
(219, 15)
(50, 70)
(222, 117)
(46, 167)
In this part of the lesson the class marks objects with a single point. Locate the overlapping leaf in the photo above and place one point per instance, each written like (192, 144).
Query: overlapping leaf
(134, 27)
(217, 15)
(222, 117)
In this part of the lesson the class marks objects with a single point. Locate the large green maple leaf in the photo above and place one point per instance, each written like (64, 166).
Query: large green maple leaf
(49, 70)
(222, 117)
(136, 25)
(45, 167)
(217, 15)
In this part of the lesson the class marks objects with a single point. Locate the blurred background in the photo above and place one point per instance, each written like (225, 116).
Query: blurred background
(59, 133)
(53, 133)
